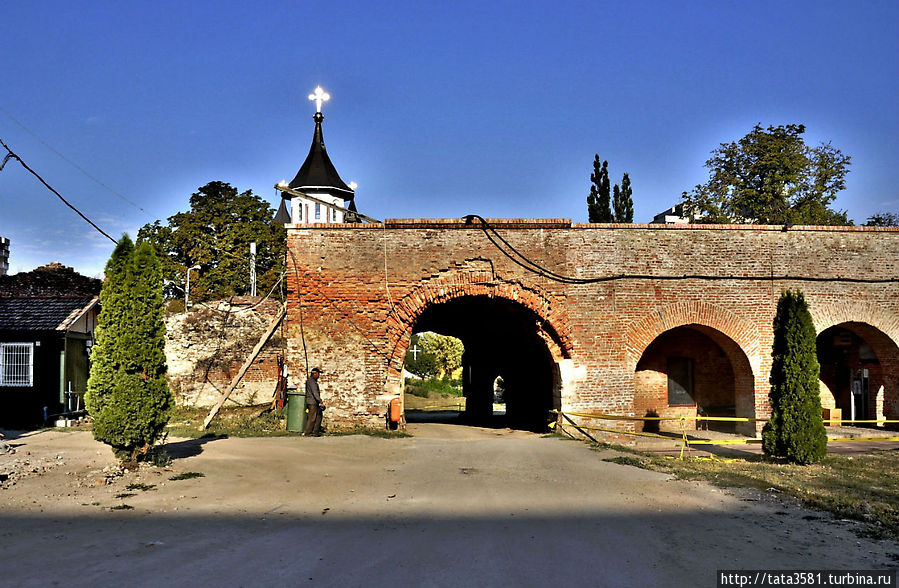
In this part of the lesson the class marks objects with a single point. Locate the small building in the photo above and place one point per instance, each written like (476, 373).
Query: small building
(317, 194)
(672, 216)
(47, 322)
(4, 256)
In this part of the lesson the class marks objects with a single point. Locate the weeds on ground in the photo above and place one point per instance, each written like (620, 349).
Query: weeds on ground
(862, 487)
(141, 487)
(121, 507)
(238, 421)
(187, 476)
(369, 431)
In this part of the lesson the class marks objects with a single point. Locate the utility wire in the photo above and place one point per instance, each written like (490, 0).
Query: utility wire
(69, 161)
(49, 187)
(523, 261)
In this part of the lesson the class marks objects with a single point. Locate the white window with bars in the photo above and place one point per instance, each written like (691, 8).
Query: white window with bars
(16, 364)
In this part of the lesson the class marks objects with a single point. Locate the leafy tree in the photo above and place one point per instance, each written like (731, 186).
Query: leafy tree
(447, 352)
(128, 397)
(883, 219)
(795, 430)
(622, 201)
(771, 176)
(598, 201)
(421, 363)
(216, 234)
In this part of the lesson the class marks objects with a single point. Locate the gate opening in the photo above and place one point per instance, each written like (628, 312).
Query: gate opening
(509, 376)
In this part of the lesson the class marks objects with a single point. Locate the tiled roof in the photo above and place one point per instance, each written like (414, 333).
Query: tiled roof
(53, 279)
(41, 313)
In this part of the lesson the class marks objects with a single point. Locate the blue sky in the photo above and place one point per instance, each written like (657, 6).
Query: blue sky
(436, 110)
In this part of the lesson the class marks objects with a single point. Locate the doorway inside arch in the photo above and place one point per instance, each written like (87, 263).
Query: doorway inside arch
(858, 372)
(694, 370)
(508, 375)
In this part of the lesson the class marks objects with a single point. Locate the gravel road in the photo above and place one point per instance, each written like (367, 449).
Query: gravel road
(451, 506)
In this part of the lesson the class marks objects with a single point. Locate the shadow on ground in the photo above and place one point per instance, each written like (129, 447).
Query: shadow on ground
(190, 447)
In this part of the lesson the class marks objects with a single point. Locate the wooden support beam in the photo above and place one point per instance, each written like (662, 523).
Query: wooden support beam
(246, 365)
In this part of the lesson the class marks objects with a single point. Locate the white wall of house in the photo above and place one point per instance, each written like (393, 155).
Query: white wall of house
(304, 211)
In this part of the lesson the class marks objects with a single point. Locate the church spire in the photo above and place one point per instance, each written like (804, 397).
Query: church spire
(318, 174)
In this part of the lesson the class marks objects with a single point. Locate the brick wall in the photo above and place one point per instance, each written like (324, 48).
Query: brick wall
(363, 286)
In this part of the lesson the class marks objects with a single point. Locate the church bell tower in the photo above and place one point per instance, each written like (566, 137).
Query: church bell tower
(317, 194)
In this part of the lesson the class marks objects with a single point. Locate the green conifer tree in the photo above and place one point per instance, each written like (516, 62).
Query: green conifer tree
(795, 430)
(110, 326)
(627, 202)
(130, 400)
(598, 202)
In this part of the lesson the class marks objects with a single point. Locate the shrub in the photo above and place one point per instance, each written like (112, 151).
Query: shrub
(796, 430)
(128, 396)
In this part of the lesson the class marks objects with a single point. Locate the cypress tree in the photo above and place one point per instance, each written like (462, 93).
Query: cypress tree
(622, 202)
(110, 325)
(627, 202)
(129, 380)
(616, 204)
(795, 430)
(598, 202)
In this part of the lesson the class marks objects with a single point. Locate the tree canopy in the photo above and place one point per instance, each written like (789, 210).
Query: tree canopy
(216, 234)
(436, 355)
(771, 176)
(883, 219)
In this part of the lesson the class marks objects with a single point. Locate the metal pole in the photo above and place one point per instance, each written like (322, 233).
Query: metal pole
(187, 287)
(252, 269)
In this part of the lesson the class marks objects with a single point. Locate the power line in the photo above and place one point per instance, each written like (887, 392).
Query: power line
(69, 161)
(49, 187)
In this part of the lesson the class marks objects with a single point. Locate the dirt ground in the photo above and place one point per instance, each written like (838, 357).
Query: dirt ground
(452, 505)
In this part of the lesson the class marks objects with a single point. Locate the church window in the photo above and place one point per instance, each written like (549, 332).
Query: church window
(318, 211)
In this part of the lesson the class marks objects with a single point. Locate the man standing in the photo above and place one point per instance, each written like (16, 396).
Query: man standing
(314, 405)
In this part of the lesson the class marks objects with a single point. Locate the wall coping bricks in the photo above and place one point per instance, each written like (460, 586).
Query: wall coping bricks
(565, 223)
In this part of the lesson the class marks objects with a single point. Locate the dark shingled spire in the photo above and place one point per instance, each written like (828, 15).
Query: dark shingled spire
(283, 215)
(318, 173)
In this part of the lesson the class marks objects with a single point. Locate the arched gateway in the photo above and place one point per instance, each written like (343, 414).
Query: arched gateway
(509, 330)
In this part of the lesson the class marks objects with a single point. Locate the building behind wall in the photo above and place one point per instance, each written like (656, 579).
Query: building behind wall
(4, 256)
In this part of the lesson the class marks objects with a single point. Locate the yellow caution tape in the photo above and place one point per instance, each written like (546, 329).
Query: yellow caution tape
(848, 421)
(612, 417)
(845, 439)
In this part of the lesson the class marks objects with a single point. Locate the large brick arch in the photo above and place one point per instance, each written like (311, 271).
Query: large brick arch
(826, 315)
(880, 329)
(743, 332)
(737, 337)
(474, 281)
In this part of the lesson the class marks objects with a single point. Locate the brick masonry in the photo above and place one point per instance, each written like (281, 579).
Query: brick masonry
(355, 292)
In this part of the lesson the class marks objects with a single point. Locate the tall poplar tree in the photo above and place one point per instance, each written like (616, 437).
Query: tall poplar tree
(623, 203)
(599, 201)
(795, 430)
(128, 396)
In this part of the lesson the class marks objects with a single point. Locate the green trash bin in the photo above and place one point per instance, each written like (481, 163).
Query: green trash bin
(296, 411)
